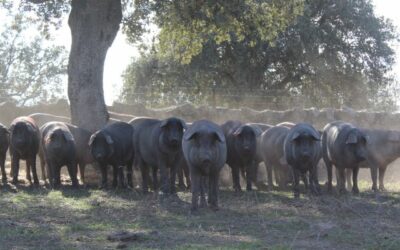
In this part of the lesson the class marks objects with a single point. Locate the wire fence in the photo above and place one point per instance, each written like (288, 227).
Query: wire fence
(258, 99)
(216, 97)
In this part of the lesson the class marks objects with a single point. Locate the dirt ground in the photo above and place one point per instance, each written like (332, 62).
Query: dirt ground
(39, 218)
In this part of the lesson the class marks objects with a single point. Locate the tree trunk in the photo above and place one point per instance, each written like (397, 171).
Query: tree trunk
(94, 25)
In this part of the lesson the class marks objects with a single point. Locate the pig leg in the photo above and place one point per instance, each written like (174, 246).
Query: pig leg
(277, 176)
(103, 169)
(42, 165)
(172, 177)
(82, 171)
(115, 176)
(305, 181)
(382, 171)
(314, 180)
(155, 178)
(196, 182)
(181, 183)
(187, 175)
(374, 176)
(348, 178)
(296, 180)
(129, 173)
(3, 170)
(329, 171)
(269, 176)
(203, 202)
(251, 171)
(341, 180)
(355, 182)
(145, 177)
(164, 177)
(28, 171)
(15, 168)
(72, 171)
(34, 172)
(50, 172)
(213, 191)
(57, 176)
(236, 178)
(121, 176)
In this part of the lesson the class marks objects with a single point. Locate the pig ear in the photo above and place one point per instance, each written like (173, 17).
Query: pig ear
(220, 136)
(164, 123)
(315, 135)
(68, 137)
(238, 131)
(30, 128)
(109, 140)
(351, 138)
(189, 136)
(295, 136)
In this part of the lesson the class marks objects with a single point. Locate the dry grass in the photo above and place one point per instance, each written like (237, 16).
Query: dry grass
(34, 218)
(38, 218)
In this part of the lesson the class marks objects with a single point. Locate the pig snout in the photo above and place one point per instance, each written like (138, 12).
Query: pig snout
(305, 154)
(205, 158)
(174, 142)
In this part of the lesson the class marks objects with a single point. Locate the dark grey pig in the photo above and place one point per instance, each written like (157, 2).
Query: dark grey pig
(4, 143)
(344, 146)
(58, 149)
(157, 145)
(113, 145)
(302, 151)
(24, 145)
(241, 142)
(204, 148)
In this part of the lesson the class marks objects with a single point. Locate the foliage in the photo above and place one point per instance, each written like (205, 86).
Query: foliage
(337, 53)
(31, 69)
(186, 26)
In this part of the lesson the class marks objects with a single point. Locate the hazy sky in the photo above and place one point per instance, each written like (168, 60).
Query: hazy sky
(120, 53)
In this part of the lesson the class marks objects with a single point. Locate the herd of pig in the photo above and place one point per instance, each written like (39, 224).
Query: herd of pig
(198, 150)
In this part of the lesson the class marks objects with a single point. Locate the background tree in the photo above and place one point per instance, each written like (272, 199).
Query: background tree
(31, 70)
(185, 24)
(337, 53)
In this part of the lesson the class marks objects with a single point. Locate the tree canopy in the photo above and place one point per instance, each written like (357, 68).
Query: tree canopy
(31, 69)
(335, 53)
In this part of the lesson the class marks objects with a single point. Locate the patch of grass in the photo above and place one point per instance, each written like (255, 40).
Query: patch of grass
(34, 218)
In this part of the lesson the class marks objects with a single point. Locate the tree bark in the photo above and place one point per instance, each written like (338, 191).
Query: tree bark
(94, 25)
